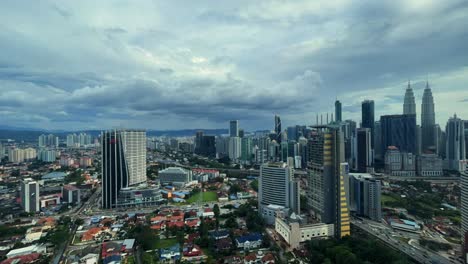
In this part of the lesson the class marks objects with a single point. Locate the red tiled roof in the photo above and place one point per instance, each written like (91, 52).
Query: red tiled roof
(22, 259)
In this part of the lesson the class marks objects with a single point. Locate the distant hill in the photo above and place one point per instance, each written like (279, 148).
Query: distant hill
(30, 135)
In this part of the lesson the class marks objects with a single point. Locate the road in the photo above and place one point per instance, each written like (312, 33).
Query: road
(75, 215)
(411, 249)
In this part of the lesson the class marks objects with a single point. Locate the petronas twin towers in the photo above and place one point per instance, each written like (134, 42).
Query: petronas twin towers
(428, 125)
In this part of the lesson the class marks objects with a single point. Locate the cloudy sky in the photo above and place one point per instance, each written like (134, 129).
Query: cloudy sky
(197, 64)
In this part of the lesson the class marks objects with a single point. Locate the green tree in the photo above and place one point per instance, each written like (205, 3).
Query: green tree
(216, 210)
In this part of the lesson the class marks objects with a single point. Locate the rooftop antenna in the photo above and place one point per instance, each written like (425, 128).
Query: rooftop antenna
(321, 119)
(327, 119)
(316, 119)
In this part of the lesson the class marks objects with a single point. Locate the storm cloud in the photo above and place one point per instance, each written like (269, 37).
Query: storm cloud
(178, 64)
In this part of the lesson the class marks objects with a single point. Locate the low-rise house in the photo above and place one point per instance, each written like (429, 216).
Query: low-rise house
(223, 244)
(171, 253)
(249, 241)
(219, 234)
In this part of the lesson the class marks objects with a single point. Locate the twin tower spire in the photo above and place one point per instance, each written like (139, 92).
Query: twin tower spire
(427, 114)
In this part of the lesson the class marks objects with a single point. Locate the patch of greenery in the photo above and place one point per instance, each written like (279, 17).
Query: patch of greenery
(206, 197)
(434, 245)
(358, 248)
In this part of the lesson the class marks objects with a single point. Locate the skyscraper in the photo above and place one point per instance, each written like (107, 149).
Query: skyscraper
(327, 190)
(277, 187)
(30, 195)
(399, 131)
(368, 118)
(234, 128)
(278, 129)
(338, 111)
(365, 196)
(123, 162)
(363, 150)
(409, 105)
(428, 140)
(455, 143)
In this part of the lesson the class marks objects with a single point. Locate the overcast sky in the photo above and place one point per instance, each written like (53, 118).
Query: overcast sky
(198, 64)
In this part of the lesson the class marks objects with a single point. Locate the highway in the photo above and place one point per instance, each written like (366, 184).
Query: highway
(387, 235)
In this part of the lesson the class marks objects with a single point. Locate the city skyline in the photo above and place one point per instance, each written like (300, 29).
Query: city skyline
(96, 67)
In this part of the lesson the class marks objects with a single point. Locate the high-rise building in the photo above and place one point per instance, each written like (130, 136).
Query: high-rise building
(399, 163)
(428, 139)
(455, 143)
(246, 148)
(327, 190)
(234, 128)
(71, 194)
(338, 111)
(364, 160)
(123, 162)
(235, 148)
(409, 105)
(241, 133)
(399, 131)
(277, 188)
(42, 141)
(429, 164)
(466, 138)
(222, 146)
(378, 151)
(278, 129)
(30, 195)
(368, 119)
(47, 155)
(365, 196)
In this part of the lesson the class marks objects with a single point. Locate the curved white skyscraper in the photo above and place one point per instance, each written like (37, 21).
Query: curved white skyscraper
(409, 106)
(428, 139)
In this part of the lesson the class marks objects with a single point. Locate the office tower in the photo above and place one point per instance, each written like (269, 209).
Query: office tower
(327, 190)
(198, 141)
(455, 143)
(338, 111)
(363, 150)
(418, 140)
(234, 128)
(277, 189)
(278, 129)
(429, 164)
(368, 118)
(378, 151)
(222, 146)
(428, 140)
(365, 196)
(399, 131)
(246, 149)
(123, 162)
(291, 133)
(30, 195)
(235, 148)
(241, 133)
(409, 106)
(466, 138)
(208, 146)
(399, 163)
